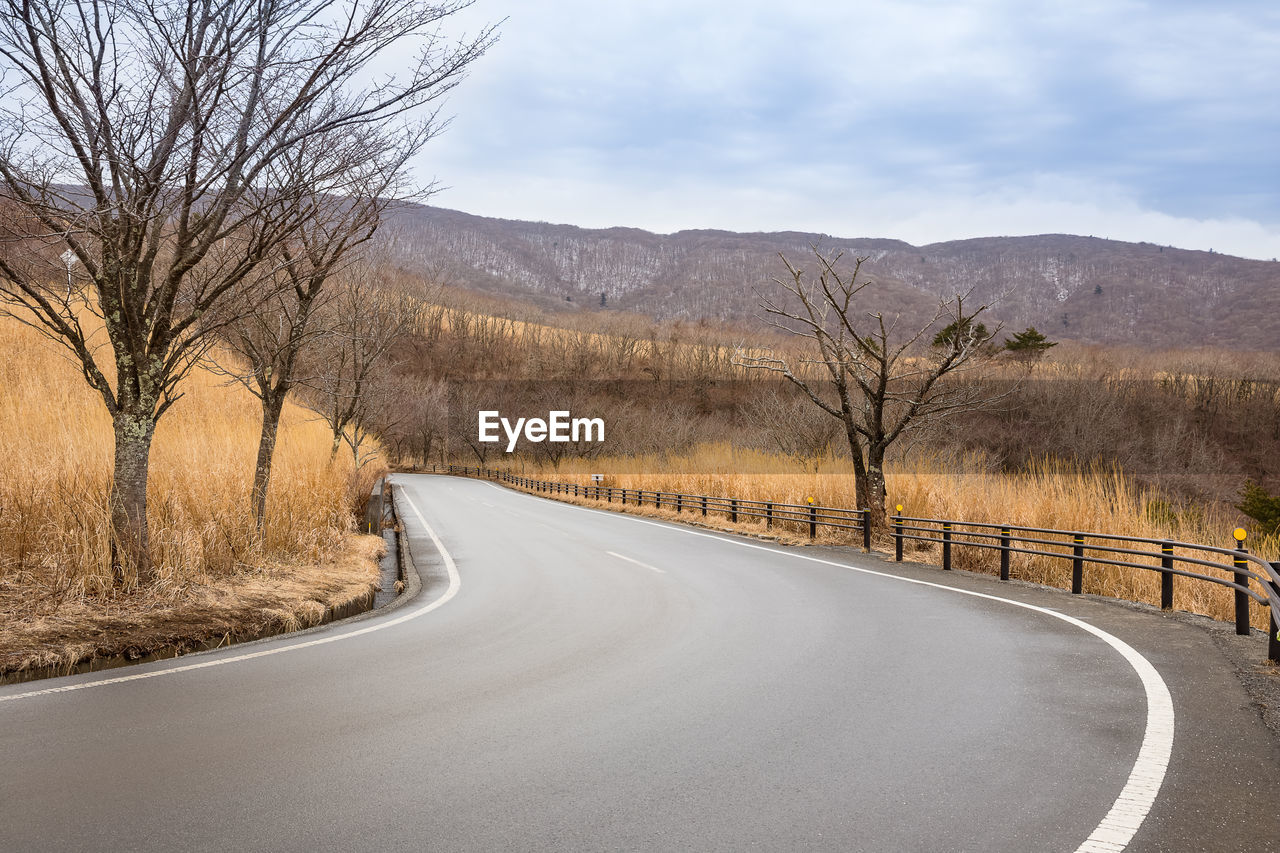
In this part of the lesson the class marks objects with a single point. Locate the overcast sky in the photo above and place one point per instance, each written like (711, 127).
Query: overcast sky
(923, 121)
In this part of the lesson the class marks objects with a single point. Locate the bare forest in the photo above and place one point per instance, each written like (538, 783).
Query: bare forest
(1076, 288)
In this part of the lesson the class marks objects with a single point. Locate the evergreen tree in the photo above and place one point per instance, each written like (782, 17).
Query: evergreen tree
(1029, 344)
(962, 334)
(1260, 505)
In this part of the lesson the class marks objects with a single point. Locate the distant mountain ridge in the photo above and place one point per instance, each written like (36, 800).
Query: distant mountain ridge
(1072, 288)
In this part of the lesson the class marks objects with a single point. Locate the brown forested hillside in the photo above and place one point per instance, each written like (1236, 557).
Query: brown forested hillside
(1073, 288)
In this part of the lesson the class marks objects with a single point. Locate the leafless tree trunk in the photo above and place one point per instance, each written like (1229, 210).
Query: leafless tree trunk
(339, 220)
(139, 136)
(365, 321)
(877, 380)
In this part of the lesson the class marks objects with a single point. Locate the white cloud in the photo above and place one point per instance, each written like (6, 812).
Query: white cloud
(1132, 119)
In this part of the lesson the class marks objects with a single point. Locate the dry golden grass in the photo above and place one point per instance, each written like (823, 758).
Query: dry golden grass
(1096, 500)
(244, 606)
(54, 478)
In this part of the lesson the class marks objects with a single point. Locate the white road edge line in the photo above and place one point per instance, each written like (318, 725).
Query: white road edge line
(1137, 796)
(637, 562)
(455, 583)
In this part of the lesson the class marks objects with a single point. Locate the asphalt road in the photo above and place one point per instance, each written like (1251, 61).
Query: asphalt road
(571, 679)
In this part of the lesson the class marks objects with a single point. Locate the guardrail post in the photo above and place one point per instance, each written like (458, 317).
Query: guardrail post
(733, 510)
(1242, 599)
(768, 515)
(679, 502)
(1004, 553)
(1274, 637)
(897, 535)
(704, 504)
(1166, 576)
(813, 520)
(1077, 564)
(946, 547)
(866, 530)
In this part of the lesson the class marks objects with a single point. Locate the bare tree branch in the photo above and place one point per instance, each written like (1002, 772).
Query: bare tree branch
(171, 147)
(879, 383)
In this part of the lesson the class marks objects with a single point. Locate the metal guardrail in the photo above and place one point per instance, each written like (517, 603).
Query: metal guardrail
(798, 515)
(1077, 547)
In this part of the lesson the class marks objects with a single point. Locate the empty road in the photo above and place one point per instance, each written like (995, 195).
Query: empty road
(573, 679)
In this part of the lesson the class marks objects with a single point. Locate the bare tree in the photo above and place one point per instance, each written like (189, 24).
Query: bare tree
(140, 135)
(338, 220)
(879, 381)
(792, 424)
(418, 421)
(364, 322)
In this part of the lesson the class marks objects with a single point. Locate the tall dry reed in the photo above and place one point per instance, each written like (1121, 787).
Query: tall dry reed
(964, 488)
(56, 467)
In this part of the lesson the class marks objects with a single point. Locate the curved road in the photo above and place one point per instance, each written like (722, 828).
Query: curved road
(572, 679)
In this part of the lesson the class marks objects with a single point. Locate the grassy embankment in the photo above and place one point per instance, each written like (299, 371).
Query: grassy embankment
(217, 578)
(1050, 496)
